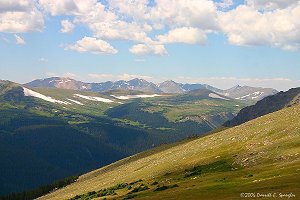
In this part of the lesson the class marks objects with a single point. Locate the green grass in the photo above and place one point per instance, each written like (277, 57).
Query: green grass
(177, 111)
(260, 156)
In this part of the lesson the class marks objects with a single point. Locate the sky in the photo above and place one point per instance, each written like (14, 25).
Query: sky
(222, 43)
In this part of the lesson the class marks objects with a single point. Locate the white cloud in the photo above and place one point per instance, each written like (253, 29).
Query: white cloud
(67, 26)
(66, 75)
(15, 5)
(275, 23)
(2, 37)
(70, 75)
(132, 76)
(18, 16)
(247, 26)
(290, 47)
(102, 76)
(225, 3)
(93, 45)
(119, 30)
(270, 4)
(19, 40)
(44, 60)
(67, 7)
(138, 9)
(200, 14)
(104, 23)
(148, 49)
(112, 77)
(186, 35)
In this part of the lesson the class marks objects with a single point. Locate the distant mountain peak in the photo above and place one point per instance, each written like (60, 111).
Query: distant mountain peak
(171, 86)
(59, 82)
(139, 84)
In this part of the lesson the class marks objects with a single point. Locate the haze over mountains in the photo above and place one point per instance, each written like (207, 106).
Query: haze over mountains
(237, 92)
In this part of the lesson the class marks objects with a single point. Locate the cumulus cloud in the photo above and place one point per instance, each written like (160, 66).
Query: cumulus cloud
(137, 9)
(148, 49)
(186, 13)
(225, 3)
(186, 35)
(254, 22)
(270, 4)
(93, 45)
(185, 21)
(247, 26)
(19, 40)
(67, 7)
(67, 26)
(103, 22)
(18, 16)
(15, 5)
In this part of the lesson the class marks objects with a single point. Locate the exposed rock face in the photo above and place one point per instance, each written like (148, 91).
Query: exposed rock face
(60, 82)
(248, 93)
(267, 105)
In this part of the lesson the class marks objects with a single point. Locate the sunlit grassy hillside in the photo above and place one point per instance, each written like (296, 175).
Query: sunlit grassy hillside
(260, 156)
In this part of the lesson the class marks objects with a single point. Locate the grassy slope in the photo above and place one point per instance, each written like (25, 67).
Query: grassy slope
(177, 107)
(263, 155)
(173, 107)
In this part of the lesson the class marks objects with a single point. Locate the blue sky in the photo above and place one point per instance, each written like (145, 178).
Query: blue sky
(222, 50)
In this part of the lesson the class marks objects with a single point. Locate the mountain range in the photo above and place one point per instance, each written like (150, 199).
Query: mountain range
(49, 133)
(238, 92)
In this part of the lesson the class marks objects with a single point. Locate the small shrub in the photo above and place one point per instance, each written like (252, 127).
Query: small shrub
(165, 187)
(132, 183)
(218, 166)
(154, 183)
(139, 189)
(129, 196)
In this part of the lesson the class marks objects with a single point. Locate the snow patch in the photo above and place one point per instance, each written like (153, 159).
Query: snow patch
(94, 98)
(74, 101)
(215, 96)
(31, 93)
(135, 96)
(253, 95)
